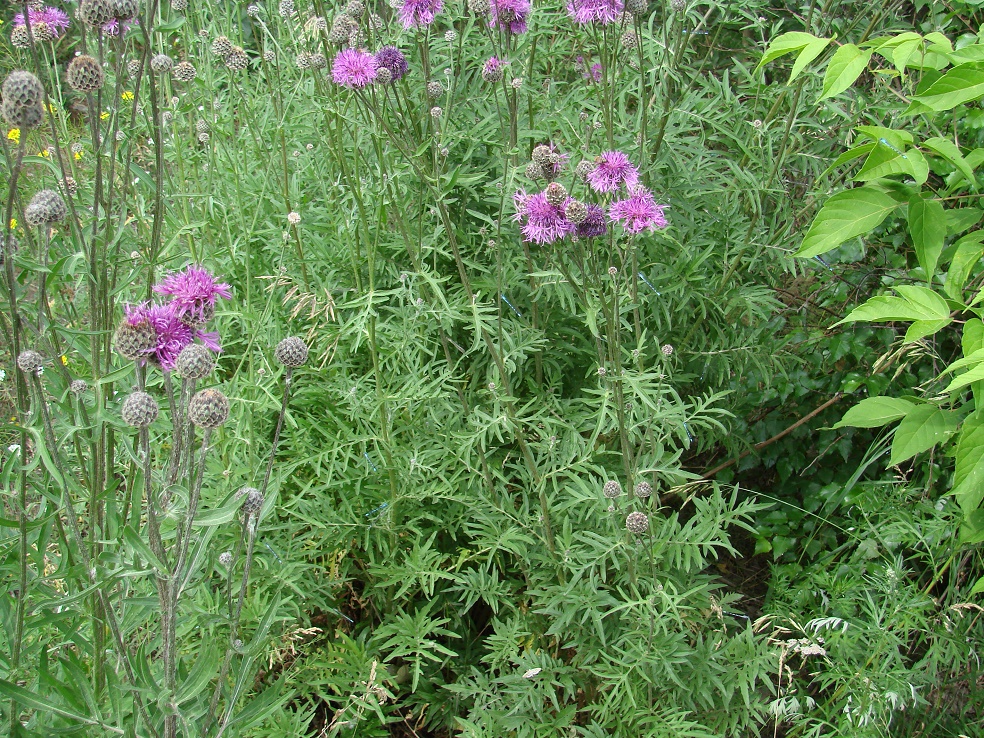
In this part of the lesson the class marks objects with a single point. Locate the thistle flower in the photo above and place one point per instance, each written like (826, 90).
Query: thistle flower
(492, 70)
(637, 523)
(510, 15)
(542, 221)
(419, 13)
(611, 170)
(391, 58)
(595, 11)
(612, 489)
(30, 362)
(638, 212)
(139, 410)
(54, 19)
(208, 408)
(353, 69)
(173, 334)
(594, 224)
(193, 293)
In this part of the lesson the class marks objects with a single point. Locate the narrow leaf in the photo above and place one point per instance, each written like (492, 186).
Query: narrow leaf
(927, 226)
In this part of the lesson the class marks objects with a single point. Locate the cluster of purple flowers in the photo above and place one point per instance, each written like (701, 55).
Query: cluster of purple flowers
(545, 220)
(509, 15)
(53, 18)
(179, 321)
(354, 68)
(419, 13)
(595, 11)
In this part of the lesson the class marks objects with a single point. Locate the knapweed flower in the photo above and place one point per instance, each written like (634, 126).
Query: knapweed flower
(56, 20)
(391, 58)
(638, 212)
(193, 293)
(593, 224)
(611, 170)
(173, 334)
(492, 70)
(595, 11)
(115, 28)
(542, 222)
(419, 13)
(510, 15)
(353, 68)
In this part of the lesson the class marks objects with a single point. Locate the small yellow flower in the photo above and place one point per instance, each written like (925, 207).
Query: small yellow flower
(51, 108)
(46, 153)
(127, 95)
(64, 360)
(103, 115)
(78, 155)
(13, 223)
(14, 135)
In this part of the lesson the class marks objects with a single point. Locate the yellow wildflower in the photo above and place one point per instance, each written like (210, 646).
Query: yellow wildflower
(13, 223)
(14, 135)
(78, 155)
(103, 115)
(46, 153)
(64, 360)
(127, 95)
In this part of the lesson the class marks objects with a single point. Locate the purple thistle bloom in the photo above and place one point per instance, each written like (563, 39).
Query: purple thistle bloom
(612, 169)
(353, 68)
(173, 334)
(392, 59)
(544, 223)
(113, 28)
(193, 293)
(638, 211)
(599, 11)
(55, 19)
(510, 15)
(594, 225)
(419, 13)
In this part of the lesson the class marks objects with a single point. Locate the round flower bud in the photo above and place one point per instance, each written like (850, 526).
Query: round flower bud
(355, 9)
(612, 489)
(644, 490)
(612, 272)
(208, 408)
(492, 70)
(254, 502)
(637, 522)
(22, 88)
(286, 8)
(96, 13)
(542, 155)
(269, 57)
(583, 169)
(43, 32)
(221, 46)
(139, 410)
(204, 138)
(436, 112)
(85, 74)
(576, 212)
(20, 38)
(78, 386)
(253, 11)
(25, 117)
(194, 362)
(237, 60)
(133, 67)
(71, 186)
(125, 9)
(161, 63)
(225, 558)
(319, 61)
(179, 5)
(384, 76)
(303, 60)
(30, 362)
(434, 90)
(135, 341)
(202, 126)
(185, 72)
(534, 171)
(667, 350)
(479, 7)
(678, 6)
(341, 27)
(556, 194)
(45, 207)
(292, 352)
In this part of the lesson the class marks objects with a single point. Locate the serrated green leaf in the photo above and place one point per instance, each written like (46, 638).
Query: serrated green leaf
(922, 428)
(874, 412)
(959, 85)
(846, 215)
(844, 68)
(927, 227)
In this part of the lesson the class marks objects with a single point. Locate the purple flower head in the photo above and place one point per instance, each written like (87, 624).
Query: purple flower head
(419, 13)
(594, 73)
(544, 223)
(638, 212)
(193, 293)
(113, 28)
(612, 169)
(173, 334)
(392, 59)
(510, 15)
(595, 11)
(56, 20)
(594, 225)
(353, 68)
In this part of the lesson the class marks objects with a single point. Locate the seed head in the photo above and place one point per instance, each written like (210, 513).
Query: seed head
(534, 171)
(637, 522)
(46, 207)
(221, 46)
(436, 112)
(225, 558)
(30, 362)
(303, 60)
(583, 169)
(542, 155)
(85, 74)
(516, 83)
(161, 63)
(644, 490)
(204, 138)
(451, 36)
(479, 7)
(139, 410)
(612, 272)
(434, 90)
(208, 408)
(71, 186)
(237, 60)
(630, 40)
(202, 126)
(294, 218)
(556, 194)
(319, 61)
(355, 9)
(133, 67)
(194, 362)
(78, 386)
(254, 501)
(286, 8)
(179, 5)
(135, 340)
(667, 349)
(96, 13)
(678, 6)
(292, 352)
(612, 489)
(20, 38)
(253, 11)
(576, 212)
(383, 76)
(341, 28)
(269, 57)
(185, 72)
(25, 117)
(23, 89)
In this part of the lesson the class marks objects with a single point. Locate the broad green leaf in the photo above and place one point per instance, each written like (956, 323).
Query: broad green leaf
(922, 428)
(898, 139)
(883, 161)
(903, 52)
(972, 340)
(846, 215)
(922, 328)
(960, 85)
(959, 220)
(810, 52)
(874, 412)
(967, 254)
(972, 530)
(787, 43)
(844, 68)
(913, 303)
(978, 585)
(974, 375)
(968, 473)
(951, 152)
(927, 226)
(918, 165)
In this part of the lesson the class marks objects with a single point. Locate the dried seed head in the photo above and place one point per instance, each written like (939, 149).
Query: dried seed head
(225, 558)
(286, 8)
(134, 342)
(291, 352)
(534, 171)
(194, 362)
(384, 76)
(202, 126)
(161, 63)
(612, 489)
(96, 13)
(576, 212)
(630, 40)
(23, 89)
(612, 272)
(237, 60)
(637, 522)
(185, 72)
(303, 60)
(319, 61)
(451, 36)
(30, 362)
(556, 194)
(542, 155)
(434, 90)
(139, 410)
(43, 32)
(644, 490)
(341, 27)
(221, 46)
(46, 207)
(583, 169)
(133, 67)
(20, 38)
(85, 74)
(208, 408)
(355, 9)
(25, 117)
(71, 186)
